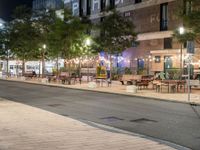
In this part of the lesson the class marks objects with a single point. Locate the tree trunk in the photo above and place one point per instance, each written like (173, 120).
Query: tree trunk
(23, 67)
(43, 66)
(79, 65)
(57, 66)
(7, 67)
(110, 67)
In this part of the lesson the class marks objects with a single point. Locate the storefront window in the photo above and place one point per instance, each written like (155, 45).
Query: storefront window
(140, 66)
(168, 63)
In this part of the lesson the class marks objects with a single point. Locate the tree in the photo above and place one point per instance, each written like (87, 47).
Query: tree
(189, 15)
(116, 34)
(42, 21)
(23, 35)
(5, 52)
(66, 36)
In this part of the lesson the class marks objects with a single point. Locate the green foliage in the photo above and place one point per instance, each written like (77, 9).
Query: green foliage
(22, 34)
(41, 22)
(4, 42)
(189, 12)
(67, 37)
(63, 37)
(173, 73)
(128, 71)
(117, 33)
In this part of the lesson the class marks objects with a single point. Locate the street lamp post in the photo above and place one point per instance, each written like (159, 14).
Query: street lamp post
(87, 43)
(189, 61)
(181, 32)
(43, 60)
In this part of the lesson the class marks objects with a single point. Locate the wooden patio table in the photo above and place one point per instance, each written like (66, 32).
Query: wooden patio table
(177, 83)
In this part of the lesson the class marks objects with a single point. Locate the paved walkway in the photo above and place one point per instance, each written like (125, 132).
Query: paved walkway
(27, 128)
(119, 89)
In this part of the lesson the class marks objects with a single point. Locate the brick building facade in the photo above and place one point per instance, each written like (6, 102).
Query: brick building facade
(155, 21)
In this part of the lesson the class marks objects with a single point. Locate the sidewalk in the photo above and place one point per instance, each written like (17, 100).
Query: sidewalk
(117, 88)
(27, 128)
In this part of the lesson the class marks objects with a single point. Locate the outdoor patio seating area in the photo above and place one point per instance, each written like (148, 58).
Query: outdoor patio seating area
(175, 90)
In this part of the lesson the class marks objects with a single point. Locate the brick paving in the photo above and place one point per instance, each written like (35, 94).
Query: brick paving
(24, 127)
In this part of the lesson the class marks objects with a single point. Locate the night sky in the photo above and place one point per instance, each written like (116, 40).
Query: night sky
(7, 6)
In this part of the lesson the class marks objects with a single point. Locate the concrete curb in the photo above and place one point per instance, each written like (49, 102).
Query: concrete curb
(105, 92)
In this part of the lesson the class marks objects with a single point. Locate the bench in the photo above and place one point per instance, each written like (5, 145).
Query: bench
(29, 75)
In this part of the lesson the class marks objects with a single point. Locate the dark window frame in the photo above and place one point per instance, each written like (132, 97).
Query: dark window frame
(164, 17)
(138, 1)
(168, 43)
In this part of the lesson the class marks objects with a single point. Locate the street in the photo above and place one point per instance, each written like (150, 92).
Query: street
(174, 122)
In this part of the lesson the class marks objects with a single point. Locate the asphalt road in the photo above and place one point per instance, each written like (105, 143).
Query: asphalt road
(174, 122)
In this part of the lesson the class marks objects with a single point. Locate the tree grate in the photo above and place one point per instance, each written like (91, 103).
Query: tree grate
(111, 119)
(193, 104)
(55, 105)
(65, 115)
(143, 120)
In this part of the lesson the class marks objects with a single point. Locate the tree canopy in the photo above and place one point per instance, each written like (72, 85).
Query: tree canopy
(189, 12)
(116, 33)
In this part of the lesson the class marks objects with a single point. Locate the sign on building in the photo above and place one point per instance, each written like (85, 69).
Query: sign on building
(190, 47)
(75, 8)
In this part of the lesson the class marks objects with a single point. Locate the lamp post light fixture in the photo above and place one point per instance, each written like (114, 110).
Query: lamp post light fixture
(88, 42)
(44, 46)
(43, 59)
(181, 32)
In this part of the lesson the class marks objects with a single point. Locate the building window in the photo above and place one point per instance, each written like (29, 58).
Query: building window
(103, 5)
(88, 10)
(187, 7)
(127, 14)
(167, 43)
(138, 1)
(102, 19)
(134, 44)
(157, 59)
(80, 8)
(140, 65)
(163, 17)
(168, 63)
(112, 4)
(11, 66)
